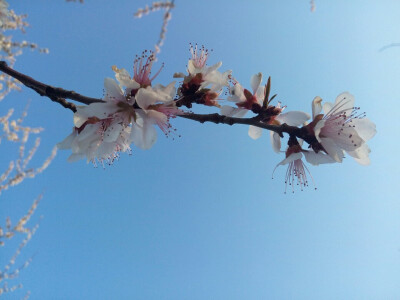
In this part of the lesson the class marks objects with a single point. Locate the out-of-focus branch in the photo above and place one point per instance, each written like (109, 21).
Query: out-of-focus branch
(18, 169)
(10, 272)
(155, 6)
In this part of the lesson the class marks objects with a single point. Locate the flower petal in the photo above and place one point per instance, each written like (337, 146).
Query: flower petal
(255, 82)
(290, 158)
(366, 129)
(275, 141)
(317, 158)
(316, 106)
(113, 90)
(230, 111)
(146, 97)
(332, 149)
(144, 136)
(255, 132)
(361, 154)
(112, 133)
(346, 101)
(67, 142)
(293, 118)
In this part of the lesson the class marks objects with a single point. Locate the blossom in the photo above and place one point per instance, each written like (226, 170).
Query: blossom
(244, 99)
(342, 128)
(156, 108)
(130, 108)
(296, 172)
(98, 141)
(102, 130)
(204, 81)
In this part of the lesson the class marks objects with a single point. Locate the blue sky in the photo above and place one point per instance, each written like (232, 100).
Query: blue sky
(199, 217)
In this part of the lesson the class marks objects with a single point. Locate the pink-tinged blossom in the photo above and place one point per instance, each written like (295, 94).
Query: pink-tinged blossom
(211, 78)
(102, 130)
(243, 98)
(342, 129)
(97, 142)
(203, 79)
(125, 81)
(296, 173)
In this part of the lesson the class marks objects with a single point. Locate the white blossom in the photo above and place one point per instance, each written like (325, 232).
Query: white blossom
(343, 129)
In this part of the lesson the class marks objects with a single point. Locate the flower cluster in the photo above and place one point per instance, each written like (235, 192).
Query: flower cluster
(132, 106)
(340, 129)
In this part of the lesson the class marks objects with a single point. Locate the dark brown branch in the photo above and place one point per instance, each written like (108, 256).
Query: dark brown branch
(59, 95)
(219, 119)
(54, 93)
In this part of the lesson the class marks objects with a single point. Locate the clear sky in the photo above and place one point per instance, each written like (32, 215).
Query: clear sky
(199, 217)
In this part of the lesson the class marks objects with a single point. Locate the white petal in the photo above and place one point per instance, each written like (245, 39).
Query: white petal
(327, 107)
(236, 93)
(260, 95)
(365, 161)
(293, 118)
(256, 81)
(146, 97)
(345, 100)
(67, 142)
(361, 154)
(230, 111)
(275, 141)
(213, 67)
(334, 151)
(216, 79)
(99, 110)
(366, 129)
(316, 106)
(113, 90)
(75, 157)
(318, 158)
(91, 131)
(156, 117)
(165, 93)
(80, 117)
(255, 132)
(144, 136)
(112, 133)
(191, 68)
(291, 158)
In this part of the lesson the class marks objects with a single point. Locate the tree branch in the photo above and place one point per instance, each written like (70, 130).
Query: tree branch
(54, 93)
(59, 95)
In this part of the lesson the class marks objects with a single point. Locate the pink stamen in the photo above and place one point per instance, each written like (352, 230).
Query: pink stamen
(142, 71)
(199, 57)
